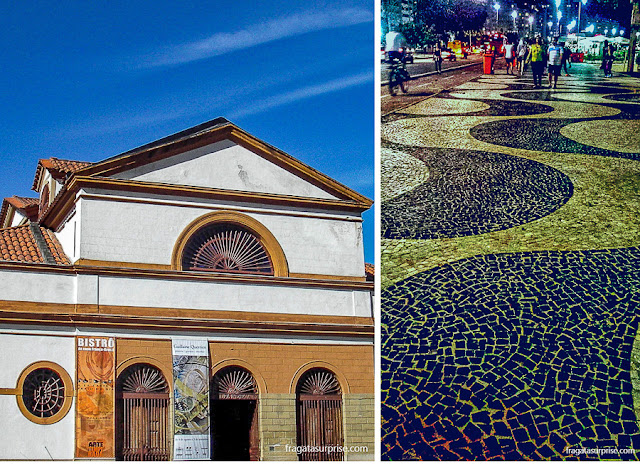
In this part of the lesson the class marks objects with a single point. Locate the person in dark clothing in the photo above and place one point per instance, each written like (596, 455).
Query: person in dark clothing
(566, 58)
(437, 57)
(607, 58)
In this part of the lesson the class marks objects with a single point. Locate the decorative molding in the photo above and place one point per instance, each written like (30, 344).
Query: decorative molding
(168, 267)
(122, 264)
(184, 314)
(64, 202)
(188, 275)
(102, 320)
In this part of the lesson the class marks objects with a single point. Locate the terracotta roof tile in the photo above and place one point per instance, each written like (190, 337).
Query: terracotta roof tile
(58, 168)
(55, 247)
(22, 202)
(369, 271)
(18, 244)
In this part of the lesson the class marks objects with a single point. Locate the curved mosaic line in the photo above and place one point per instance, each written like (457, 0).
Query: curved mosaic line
(513, 356)
(495, 108)
(473, 192)
(539, 135)
(631, 97)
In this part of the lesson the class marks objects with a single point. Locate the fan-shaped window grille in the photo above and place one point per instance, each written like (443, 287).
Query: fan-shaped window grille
(43, 392)
(234, 383)
(142, 378)
(226, 248)
(319, 382)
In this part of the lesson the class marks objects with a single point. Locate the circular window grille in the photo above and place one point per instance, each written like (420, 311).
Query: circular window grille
(144, 379)
(43, 392)
(319, 382)
(226, 248)
(234, 383)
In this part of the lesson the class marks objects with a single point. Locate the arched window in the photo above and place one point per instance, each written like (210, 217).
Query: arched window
(142, 415)
(319, 416)
(234, 415)
(225, 247)
(229, 242)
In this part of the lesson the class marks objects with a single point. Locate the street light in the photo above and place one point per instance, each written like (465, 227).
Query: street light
(621, 32)
(613, 31)
(606, 31)
(497, 8)
(530, 19)
(559, 16)
(514, 15)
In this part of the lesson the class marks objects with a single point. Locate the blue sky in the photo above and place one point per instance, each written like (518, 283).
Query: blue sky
(90, 80)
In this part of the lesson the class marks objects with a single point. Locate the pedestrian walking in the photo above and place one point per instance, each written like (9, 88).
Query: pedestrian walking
(437, 57)
(523, 50)
(554, 62)
(607, 58)
(509, 54)
(566, 58)
(536, 58)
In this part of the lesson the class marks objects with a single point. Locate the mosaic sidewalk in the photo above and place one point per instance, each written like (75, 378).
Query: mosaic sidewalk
(511, 271)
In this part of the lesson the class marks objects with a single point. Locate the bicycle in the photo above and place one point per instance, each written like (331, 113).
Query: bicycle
(398, 77)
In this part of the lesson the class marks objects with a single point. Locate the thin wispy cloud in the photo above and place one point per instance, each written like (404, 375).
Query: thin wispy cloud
(302, 94)
(257, 34)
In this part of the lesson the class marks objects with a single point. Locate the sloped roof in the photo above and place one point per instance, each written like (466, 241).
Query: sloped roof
(27, 206)
(370, 271)
(58, 168)
(31, 244)
(210, 132)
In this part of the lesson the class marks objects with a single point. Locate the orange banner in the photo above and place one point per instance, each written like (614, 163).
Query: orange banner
(95, 404)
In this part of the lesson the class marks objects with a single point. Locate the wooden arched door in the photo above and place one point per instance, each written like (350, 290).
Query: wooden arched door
(319, 416)
(234, 415)
(142, 415)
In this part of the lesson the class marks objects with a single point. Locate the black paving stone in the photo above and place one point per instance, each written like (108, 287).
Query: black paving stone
(572, 338)
(473, 192)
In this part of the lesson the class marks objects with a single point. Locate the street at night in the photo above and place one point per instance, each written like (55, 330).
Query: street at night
(511, 267)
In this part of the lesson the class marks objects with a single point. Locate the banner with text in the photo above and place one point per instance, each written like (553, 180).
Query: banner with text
(191, 399)
(96, 360)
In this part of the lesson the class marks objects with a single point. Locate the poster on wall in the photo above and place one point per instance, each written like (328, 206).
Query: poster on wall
(191, 399)
(96, 359)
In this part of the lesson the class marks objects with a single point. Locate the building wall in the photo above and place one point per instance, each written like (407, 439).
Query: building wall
(20, 437)
(277, 366)
(228, 166)
(124, 292)
(147, 233)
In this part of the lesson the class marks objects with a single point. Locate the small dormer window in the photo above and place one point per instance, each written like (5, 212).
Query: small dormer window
(225, 247)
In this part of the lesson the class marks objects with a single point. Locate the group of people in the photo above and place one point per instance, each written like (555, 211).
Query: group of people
(555, 57)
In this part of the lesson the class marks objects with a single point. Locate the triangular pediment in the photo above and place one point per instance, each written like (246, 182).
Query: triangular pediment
(219, 155)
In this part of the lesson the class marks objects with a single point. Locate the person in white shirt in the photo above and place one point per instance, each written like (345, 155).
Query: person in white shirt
(509, 55)
(554, 62)
(523, 50)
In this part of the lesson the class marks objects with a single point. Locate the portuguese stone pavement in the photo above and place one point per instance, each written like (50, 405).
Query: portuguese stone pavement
(511, 271)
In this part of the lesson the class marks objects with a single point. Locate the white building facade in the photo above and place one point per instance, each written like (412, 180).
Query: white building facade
(200, 297)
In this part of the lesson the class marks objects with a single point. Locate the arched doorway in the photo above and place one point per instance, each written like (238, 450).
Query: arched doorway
(142, 415)
(319, 416)
(234, 415)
